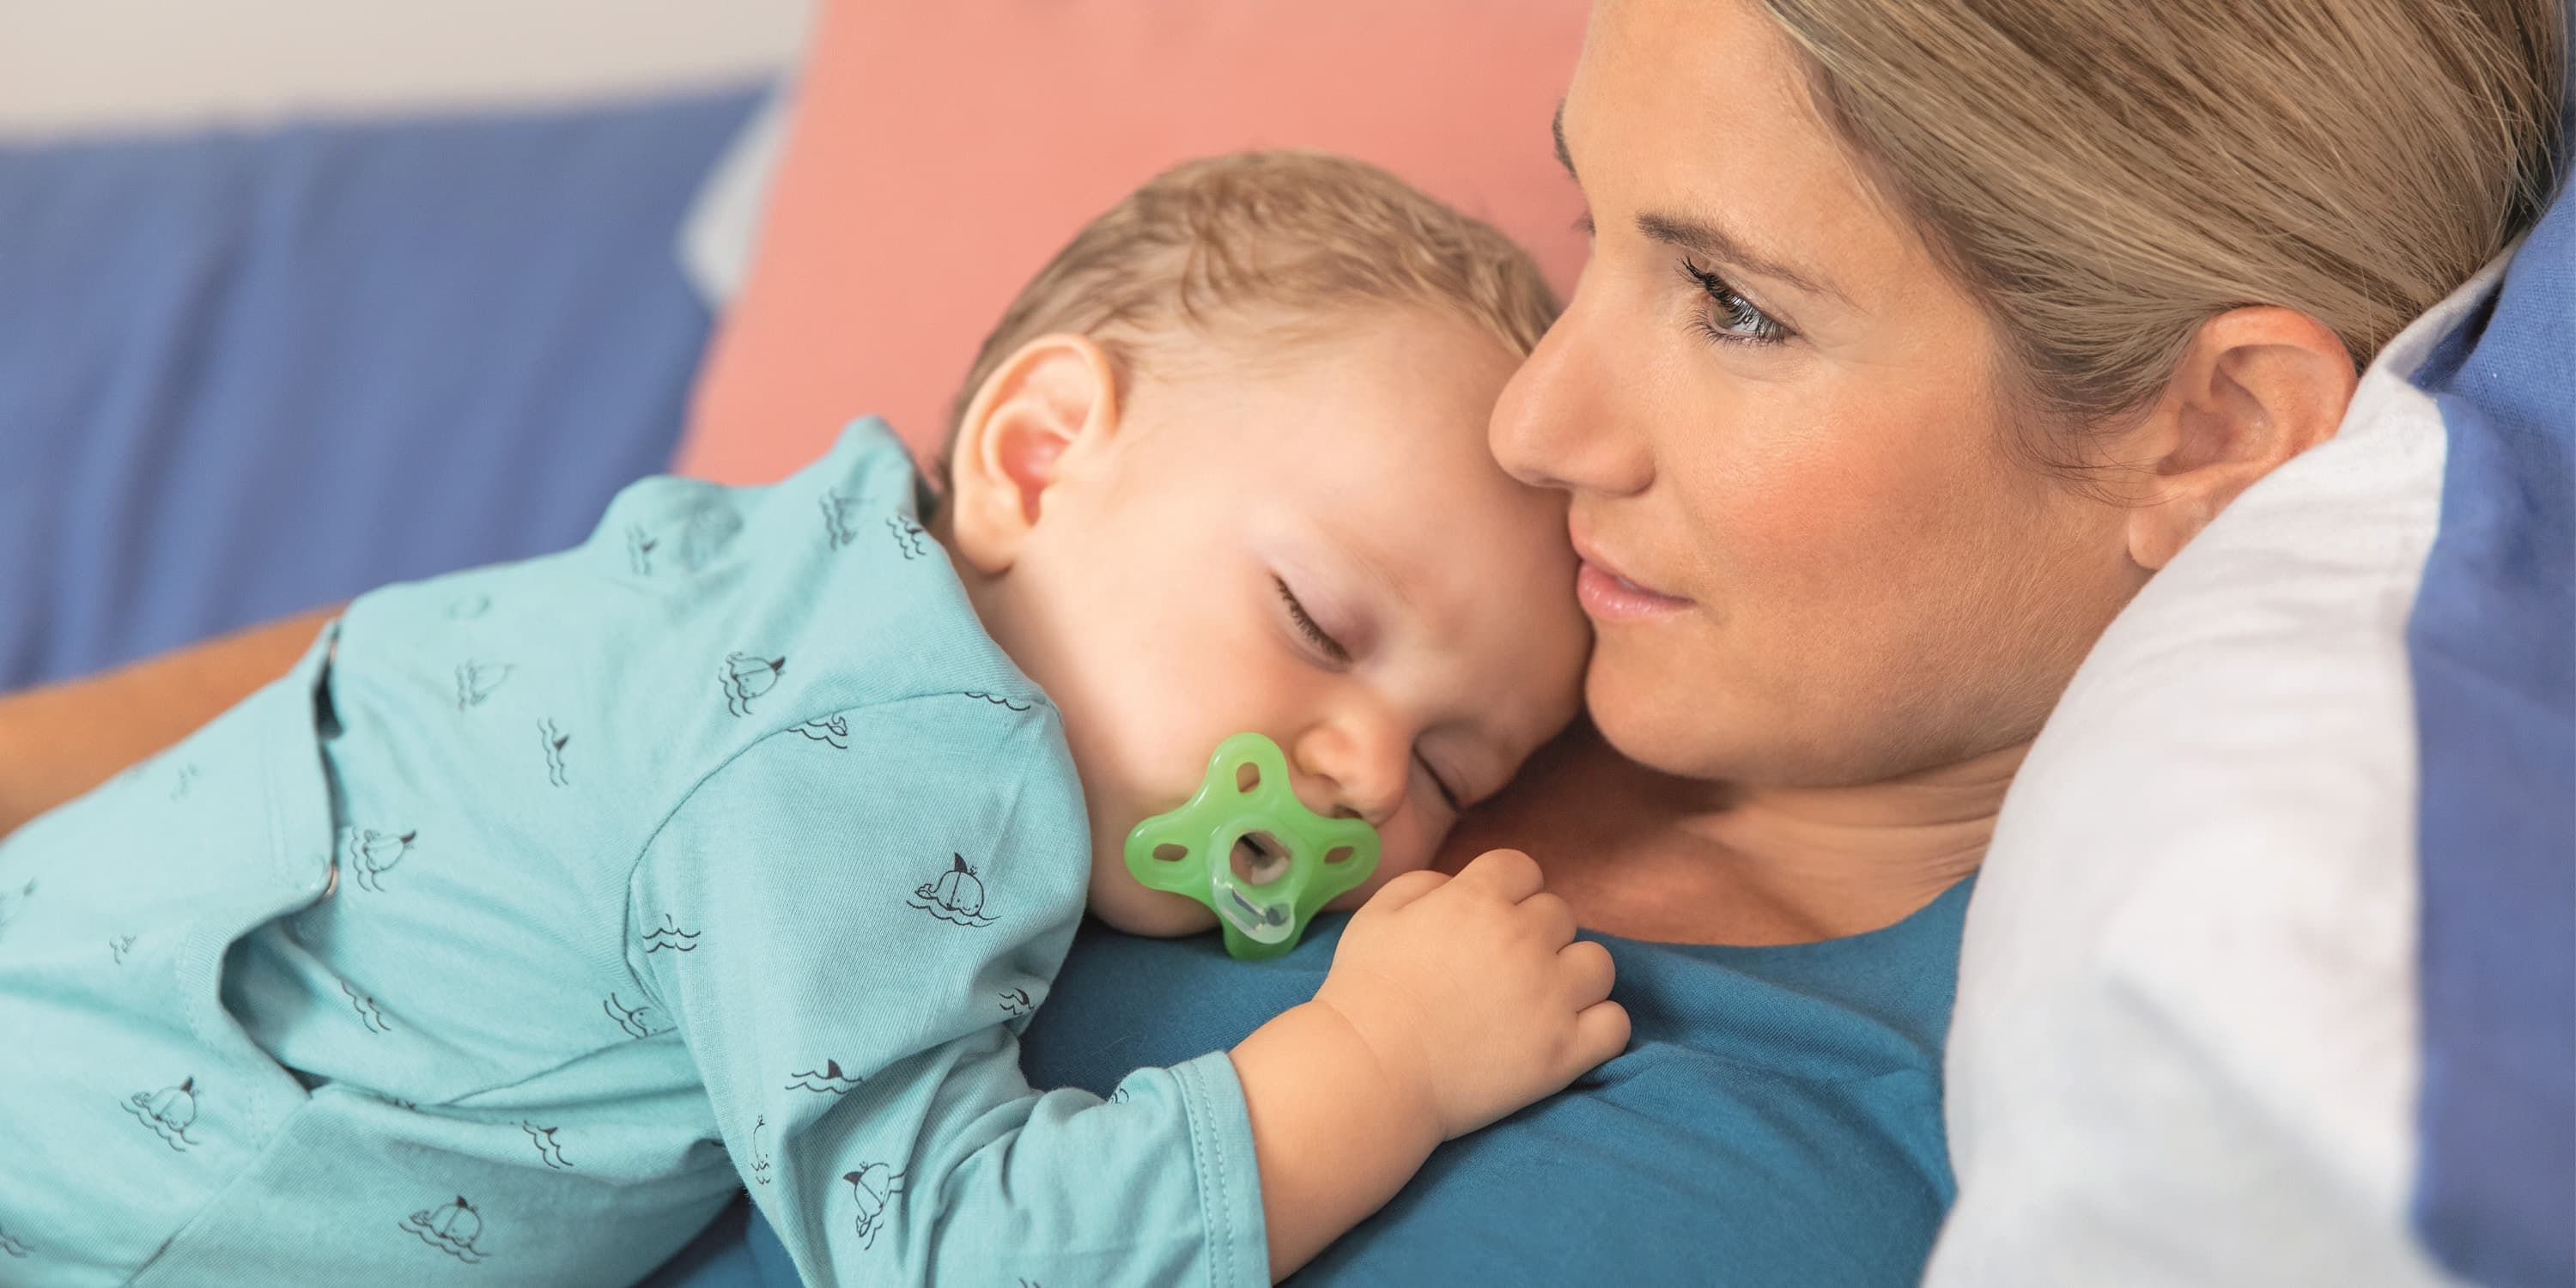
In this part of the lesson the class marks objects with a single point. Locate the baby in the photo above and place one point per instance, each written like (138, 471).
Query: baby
(543, 905)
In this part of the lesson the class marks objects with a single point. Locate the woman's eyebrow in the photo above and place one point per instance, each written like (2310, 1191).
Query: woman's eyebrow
(1717, 243)
(1699, 235)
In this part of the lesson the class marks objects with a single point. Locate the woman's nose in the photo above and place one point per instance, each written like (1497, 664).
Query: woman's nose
(1342, 770)
(1559, 423)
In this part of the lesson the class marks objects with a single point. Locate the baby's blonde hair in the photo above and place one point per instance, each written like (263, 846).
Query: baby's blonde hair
(1296, 232)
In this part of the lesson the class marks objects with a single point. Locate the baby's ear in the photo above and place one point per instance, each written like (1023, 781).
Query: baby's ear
(1052, 397)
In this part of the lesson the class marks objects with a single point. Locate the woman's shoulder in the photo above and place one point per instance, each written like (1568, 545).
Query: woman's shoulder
(1776, 1118)
(1834, 1010)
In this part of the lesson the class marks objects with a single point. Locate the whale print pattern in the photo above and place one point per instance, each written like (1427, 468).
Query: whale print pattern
(370, 1014)
(955, 896)
(1016, 1003)
(451, 1228)
(476, 681)
(553, 740)
(746, 676)
(372, 854)
(639, 549)
(875, 1187)
(119, 947)
(14, 902)
(670, 938)
(909, 539)
(467, 607)
(638, 1021)
(837, 511)
(832, 731)
(11, 1246)
(549, 1150)
(169, 1113)
(181, 780)
(828, 1080)
(760, 1150)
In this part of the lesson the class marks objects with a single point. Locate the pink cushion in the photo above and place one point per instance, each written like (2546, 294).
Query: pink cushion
(941, 152)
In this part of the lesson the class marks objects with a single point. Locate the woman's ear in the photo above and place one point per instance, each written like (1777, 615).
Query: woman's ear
(2256, 386)
(1054, 399)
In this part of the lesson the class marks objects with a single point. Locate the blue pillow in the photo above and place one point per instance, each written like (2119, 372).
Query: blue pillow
(2493, 647)
(244, 374)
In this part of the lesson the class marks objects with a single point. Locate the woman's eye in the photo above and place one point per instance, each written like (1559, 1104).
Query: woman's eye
(1305, 624)
(1730, 317)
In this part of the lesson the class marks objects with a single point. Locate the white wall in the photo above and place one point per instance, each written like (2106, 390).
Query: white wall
(85, 66)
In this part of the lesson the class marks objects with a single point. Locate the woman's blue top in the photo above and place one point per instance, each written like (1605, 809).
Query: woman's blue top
(1775, 1120)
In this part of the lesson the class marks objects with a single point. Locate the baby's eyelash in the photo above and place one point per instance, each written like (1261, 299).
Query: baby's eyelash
(1439, 784)
(1306, 624)
(1738, 320)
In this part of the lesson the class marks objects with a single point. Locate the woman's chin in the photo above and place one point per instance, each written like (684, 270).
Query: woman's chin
(1657, 724)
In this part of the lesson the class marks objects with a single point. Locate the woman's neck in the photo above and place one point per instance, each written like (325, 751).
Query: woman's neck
(1649, 856)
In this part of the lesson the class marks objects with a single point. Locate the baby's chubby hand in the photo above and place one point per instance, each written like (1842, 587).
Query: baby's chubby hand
(1452, 1001)
(1473, 992)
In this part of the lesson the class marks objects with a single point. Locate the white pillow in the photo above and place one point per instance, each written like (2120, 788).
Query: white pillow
(2185, 1049)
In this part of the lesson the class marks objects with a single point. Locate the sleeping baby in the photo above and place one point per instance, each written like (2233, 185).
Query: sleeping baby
(542, 906)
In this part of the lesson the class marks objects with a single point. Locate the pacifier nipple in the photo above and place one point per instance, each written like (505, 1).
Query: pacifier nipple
(1246, 847)
(1258, 859)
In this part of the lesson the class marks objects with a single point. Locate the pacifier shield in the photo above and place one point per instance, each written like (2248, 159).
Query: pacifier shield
(1296, 860)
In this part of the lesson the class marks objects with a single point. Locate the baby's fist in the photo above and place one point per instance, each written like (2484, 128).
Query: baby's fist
(1473, 992)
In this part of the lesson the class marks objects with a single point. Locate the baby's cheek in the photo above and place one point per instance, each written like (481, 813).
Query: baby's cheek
(1401, 849)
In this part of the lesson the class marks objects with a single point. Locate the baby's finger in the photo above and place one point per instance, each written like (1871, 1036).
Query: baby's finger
(1507, 874)
(1587, 972)
(1548, 918)
(1600, 1033)
(1404, 889)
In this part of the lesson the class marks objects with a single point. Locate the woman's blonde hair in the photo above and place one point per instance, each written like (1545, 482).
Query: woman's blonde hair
(1297, 236)
(2106, 175)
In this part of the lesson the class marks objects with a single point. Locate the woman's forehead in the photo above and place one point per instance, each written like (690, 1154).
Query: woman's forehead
(1695, 115)
(1706, 71)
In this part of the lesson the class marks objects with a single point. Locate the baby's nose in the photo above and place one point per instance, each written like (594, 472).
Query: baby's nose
(1344, 773)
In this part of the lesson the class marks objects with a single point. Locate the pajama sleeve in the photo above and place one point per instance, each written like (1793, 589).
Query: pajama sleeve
(844, 924)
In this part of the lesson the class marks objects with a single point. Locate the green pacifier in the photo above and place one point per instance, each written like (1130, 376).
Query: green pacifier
(1295, 861)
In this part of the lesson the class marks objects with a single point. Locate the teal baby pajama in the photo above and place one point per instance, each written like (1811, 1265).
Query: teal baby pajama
(544, 905)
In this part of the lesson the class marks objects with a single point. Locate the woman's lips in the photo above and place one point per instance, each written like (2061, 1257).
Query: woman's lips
(1609, 597)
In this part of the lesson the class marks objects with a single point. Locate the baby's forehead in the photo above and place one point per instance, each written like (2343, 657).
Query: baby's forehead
(1265, 337)
(1374, 425)
(1489, 605)
(1463, 562)
(1479, 561)
(1470, 572)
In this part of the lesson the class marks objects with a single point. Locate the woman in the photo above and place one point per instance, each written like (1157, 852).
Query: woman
(1916, 337)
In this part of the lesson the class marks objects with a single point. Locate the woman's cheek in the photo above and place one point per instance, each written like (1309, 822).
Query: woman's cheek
(1827, 522)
